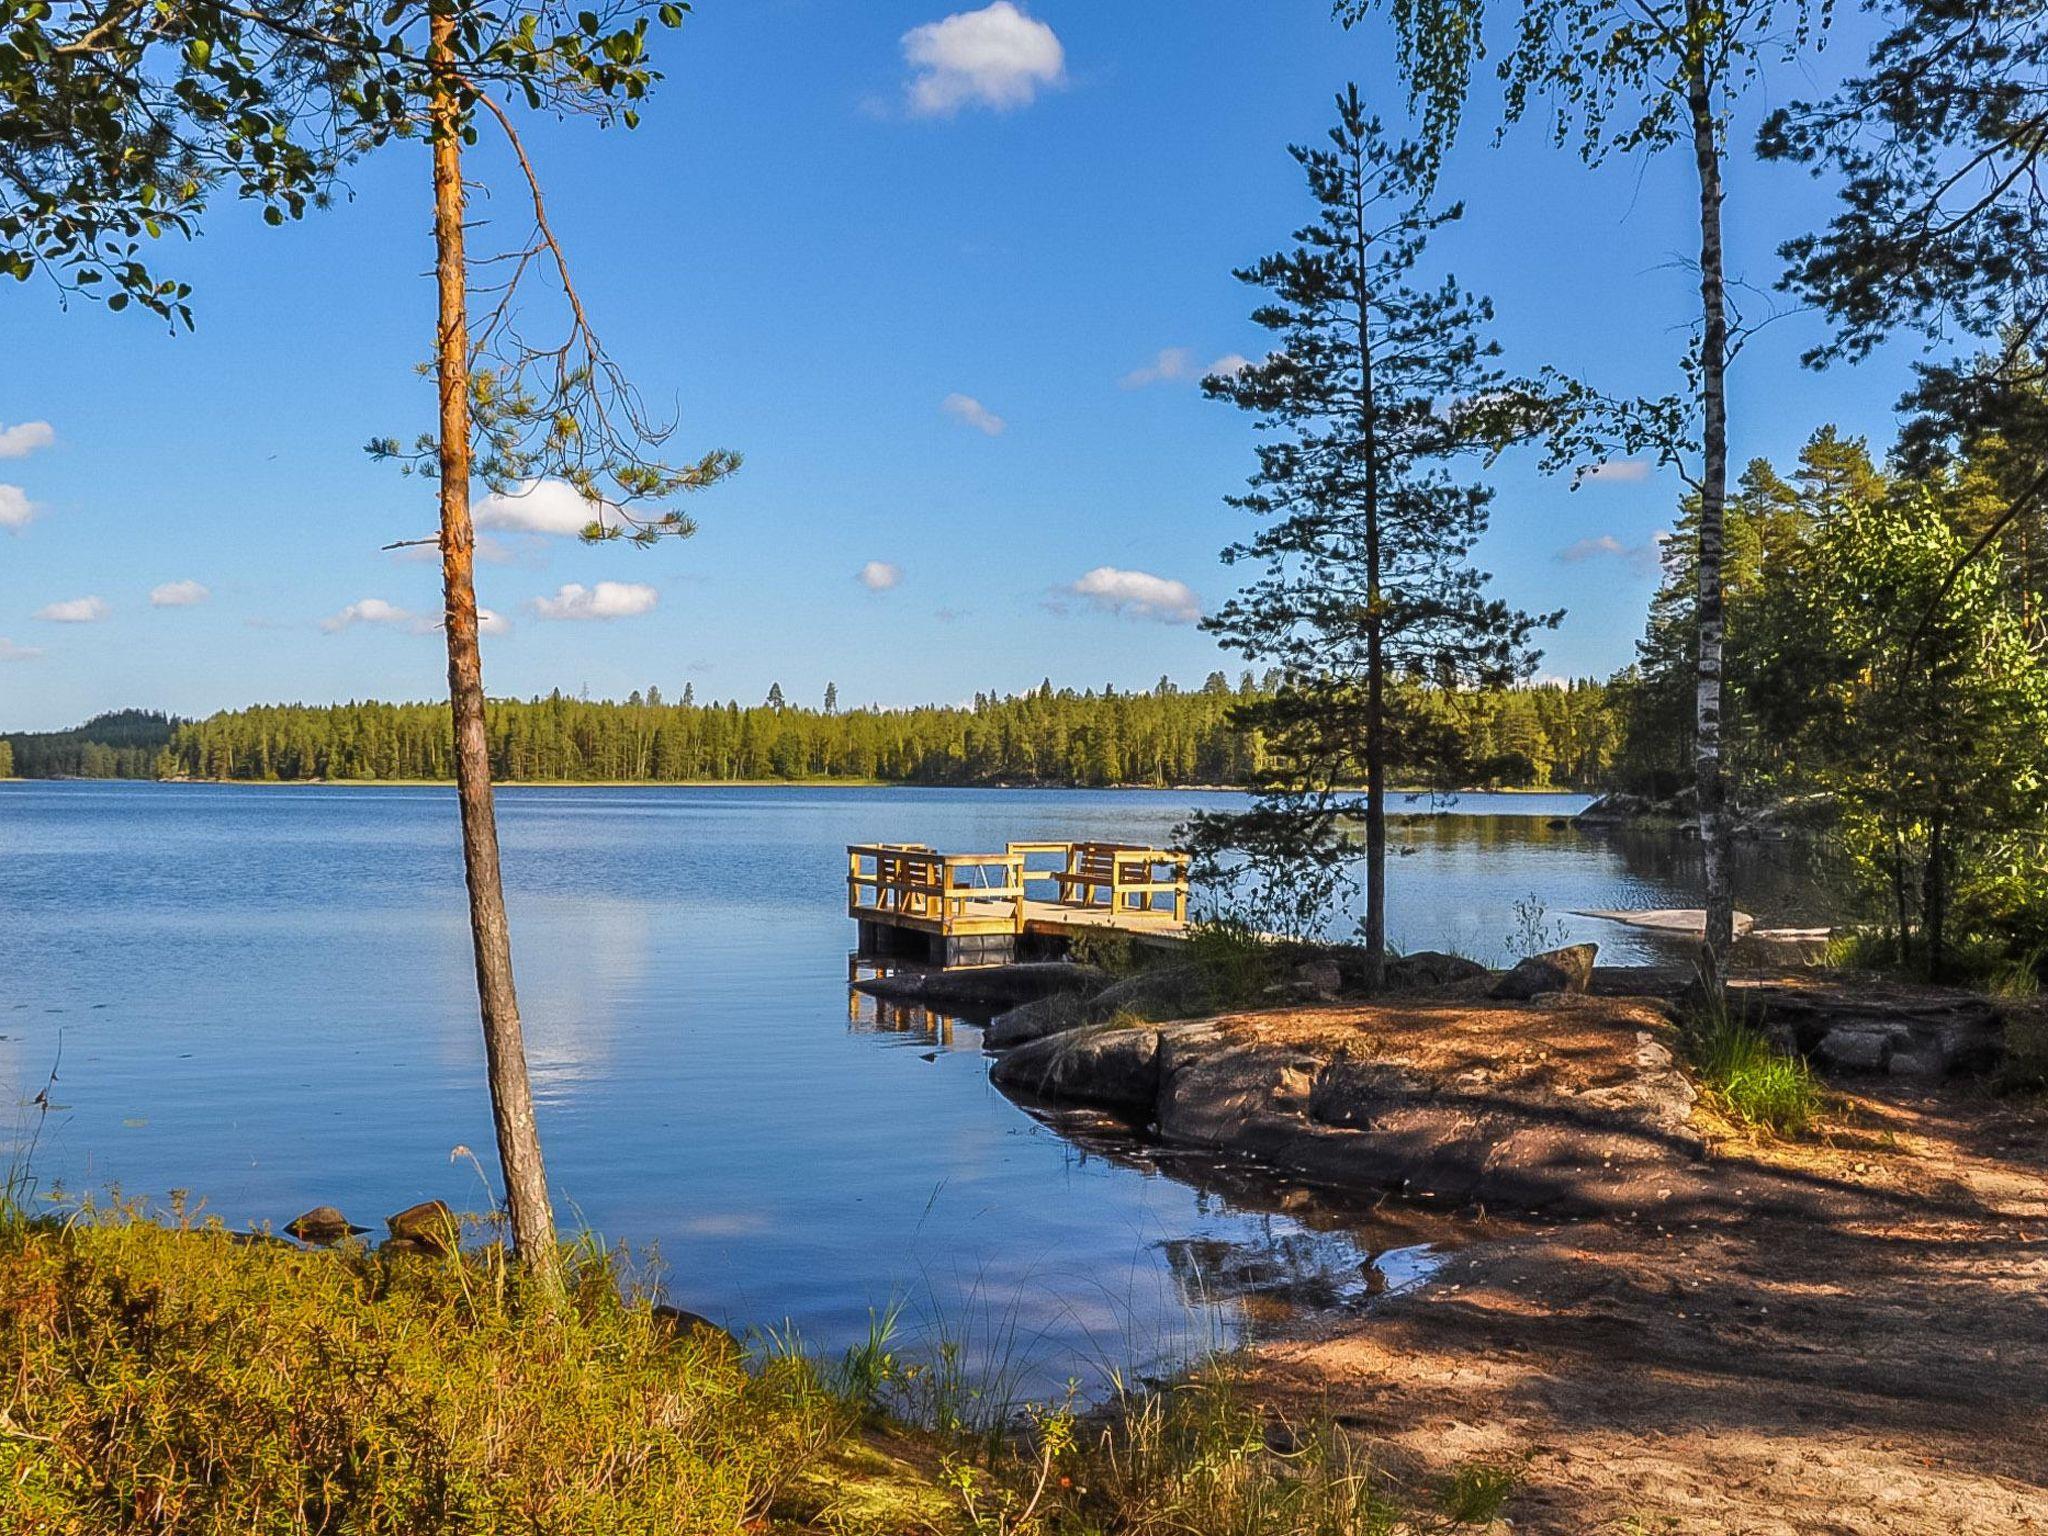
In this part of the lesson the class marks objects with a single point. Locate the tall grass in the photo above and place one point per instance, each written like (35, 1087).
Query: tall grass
(1200, 1456)
(1754, 1082)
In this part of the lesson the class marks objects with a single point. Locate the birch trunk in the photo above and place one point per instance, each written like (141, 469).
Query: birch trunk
(1709, 772)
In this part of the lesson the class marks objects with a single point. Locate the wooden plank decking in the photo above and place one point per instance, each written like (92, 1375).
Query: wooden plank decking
(973, 908)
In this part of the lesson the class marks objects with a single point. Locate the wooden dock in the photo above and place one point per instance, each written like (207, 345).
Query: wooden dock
(960, 909)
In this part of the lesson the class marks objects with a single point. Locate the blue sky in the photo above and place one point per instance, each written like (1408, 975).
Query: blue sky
(946, 289)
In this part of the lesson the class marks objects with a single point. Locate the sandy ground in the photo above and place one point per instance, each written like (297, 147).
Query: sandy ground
(1877, 1362)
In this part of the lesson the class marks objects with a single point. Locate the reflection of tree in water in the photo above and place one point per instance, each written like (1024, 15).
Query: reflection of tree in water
(1791, 882)
(1279, 1262)
(1303, 1248)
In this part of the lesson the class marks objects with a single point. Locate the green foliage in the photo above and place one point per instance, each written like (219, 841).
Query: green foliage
(1752, 1080)
(1107, 948)
(1535, 930)
(1870, 663)
(182, 1380)
(1943, 218)
(6, 758)
(122, 123)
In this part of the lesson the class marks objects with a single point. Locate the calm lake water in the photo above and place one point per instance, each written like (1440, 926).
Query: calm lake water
(264, 996)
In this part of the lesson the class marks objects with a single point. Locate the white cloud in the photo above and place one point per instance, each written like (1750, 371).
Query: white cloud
(16, 510)
(24, 438)
(1139, 595)
(178, 594)
(1592, 548)
(9, 651)
(1171, 363)
(491, 622)
(879, 575)
(1175, 365)
(1646, 556)
(370, 610)
(970, 410)
(995, 57)
(606, 600)
(74, 610)
(538, 506)
(1616, 472)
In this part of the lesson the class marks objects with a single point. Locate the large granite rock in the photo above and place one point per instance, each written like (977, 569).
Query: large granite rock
(1101, 1064)
(1578, 1105)
(1429, 968)
(1558, 970)
(1861, 1025)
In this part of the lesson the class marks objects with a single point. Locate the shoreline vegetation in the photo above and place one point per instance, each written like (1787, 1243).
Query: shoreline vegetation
(174, 1375)
(1557, 738)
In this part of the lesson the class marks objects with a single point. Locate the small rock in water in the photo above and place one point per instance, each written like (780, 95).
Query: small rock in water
(429, 1227)
(322, 1225)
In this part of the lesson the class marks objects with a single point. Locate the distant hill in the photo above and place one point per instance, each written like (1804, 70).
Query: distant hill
(122, 744)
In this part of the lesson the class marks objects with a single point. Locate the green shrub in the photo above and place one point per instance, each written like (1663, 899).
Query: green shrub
(1109, 949)
(182, 1379)
(1237, 964)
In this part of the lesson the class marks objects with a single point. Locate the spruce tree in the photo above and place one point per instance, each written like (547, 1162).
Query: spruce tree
(1377, 383)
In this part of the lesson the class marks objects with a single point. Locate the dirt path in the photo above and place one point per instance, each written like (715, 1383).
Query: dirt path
(1878, 1364)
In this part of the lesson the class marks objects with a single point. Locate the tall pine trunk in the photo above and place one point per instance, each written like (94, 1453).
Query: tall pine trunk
(1709, 772)
(526, 1189)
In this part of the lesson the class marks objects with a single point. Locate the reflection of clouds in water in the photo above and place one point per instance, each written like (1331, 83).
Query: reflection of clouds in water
(726, 1224)
(579, 962)
(1026, 1328)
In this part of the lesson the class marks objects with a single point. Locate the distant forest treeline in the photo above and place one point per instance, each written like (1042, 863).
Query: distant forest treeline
(125, 744)
(1525, 737)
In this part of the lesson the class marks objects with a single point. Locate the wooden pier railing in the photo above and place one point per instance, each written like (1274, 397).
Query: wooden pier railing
(971, 908)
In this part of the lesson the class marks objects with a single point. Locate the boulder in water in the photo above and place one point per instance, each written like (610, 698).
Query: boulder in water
(322, 1225)
(427, 1227)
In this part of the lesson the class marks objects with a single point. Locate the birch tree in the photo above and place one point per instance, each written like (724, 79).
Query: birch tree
(1621, 77)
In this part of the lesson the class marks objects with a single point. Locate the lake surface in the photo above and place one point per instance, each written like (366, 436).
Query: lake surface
(264, 996)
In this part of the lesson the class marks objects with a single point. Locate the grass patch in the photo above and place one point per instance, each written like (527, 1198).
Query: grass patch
(178, 1379)
(1750, 1079)
(1198, 1457)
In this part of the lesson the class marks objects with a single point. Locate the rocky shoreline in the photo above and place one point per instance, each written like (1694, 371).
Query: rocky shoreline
(1555, 1087)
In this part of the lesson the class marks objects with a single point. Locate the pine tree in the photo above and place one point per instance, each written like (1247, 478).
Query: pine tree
(1375, 386)
(831, 698)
